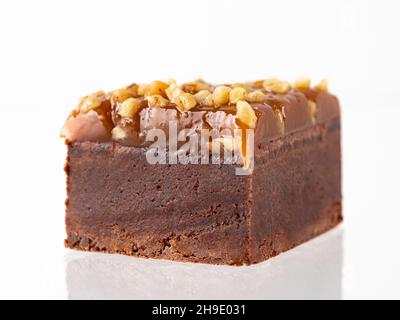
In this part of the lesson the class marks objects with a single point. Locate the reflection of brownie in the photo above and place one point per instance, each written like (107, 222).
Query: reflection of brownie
(119, 203)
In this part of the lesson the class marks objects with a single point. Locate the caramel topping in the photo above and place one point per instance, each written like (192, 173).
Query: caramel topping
(272, 107)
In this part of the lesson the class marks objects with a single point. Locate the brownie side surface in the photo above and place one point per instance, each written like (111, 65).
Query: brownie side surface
(296, 190)
(118, 203)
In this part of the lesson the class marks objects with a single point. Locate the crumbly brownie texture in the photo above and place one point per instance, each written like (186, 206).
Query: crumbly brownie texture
(118, 203)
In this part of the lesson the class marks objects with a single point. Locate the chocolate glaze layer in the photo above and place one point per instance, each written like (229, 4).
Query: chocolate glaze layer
(278, 115)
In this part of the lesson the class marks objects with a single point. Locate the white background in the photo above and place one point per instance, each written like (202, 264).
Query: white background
(54, 52)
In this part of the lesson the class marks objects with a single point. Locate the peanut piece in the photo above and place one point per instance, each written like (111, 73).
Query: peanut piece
(156, 88)
(173, 92)
(157, 101)
(91, 102)
(142, 88)
(119, 133)
(204, 97)
(302, 84)
(275, 85)
(185, 101)
(237, 94)
(256, 96)
(322, 85)
(129, 108)
(246, 115)
(221, 95)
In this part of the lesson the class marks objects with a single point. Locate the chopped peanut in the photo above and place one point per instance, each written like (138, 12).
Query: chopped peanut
(322, 85)
(156, 87)
(173, 91)
(246, 115)
(91, 102)
(302, 84)
(185, 101)
(241, 85)
(195, 86)
(237, 94)
(119, 133)
(221, 95)
(259, 84)
(142, 88)
(157, 101)
(121, 95)
(129, 108)
(204, 97)
(256, 96)
(275, 85)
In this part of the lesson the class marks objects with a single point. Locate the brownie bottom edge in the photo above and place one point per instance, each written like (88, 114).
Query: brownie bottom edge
(84, 241)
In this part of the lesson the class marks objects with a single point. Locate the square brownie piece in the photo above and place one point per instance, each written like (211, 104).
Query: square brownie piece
(119, 203)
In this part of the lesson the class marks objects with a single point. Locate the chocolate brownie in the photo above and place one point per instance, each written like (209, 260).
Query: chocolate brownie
(119, 202)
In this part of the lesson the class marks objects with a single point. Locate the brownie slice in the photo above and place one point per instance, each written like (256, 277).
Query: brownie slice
(119, 203)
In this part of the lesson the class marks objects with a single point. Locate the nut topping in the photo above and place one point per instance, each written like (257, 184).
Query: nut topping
(119, 133)
(221, 95)
(302, 84)
(246, 115)
(91, 102)
(237, 94)
(195, 86)
(204, 97)
(142, 88)
(256, 96)
(119, 107)
(185, 101)
(322, 85)
(157, 101)
(129, 108)
(156, 88)
(122, 94)
(173, 92)
(276, 85)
